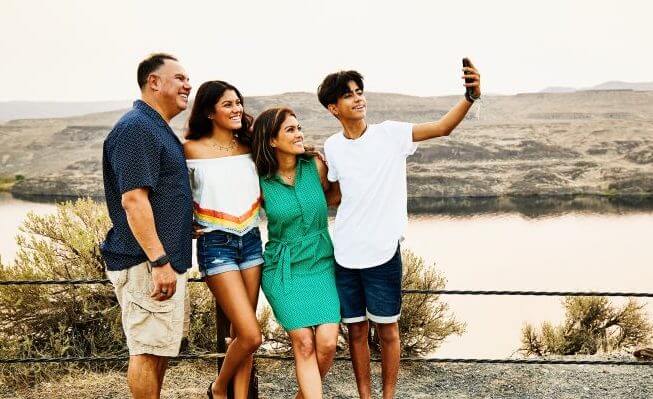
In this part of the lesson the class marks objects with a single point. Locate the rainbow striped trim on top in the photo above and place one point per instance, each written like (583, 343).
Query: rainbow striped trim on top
(226, 222)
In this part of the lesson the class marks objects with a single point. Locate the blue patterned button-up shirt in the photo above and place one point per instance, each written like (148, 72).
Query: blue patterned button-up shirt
(142, 151)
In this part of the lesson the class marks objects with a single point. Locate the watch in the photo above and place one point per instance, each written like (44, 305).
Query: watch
(470, 97)
(160, 261)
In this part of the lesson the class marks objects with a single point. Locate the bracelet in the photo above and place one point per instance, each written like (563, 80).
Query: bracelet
(471, 98)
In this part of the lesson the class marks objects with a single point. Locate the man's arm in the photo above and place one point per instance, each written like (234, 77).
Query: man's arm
(140, 218)
(446, 124)
(331, 189)
(333, 195)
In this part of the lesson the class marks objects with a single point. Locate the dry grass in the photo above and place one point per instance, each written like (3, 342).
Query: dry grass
(186, 380)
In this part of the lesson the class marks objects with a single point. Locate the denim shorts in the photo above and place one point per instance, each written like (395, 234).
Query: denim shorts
(220, 252)
(372, 293)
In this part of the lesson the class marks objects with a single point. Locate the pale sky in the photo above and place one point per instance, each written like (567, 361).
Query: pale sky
(67, 50)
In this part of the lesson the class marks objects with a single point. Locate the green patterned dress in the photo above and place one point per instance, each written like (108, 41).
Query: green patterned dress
(298, 276)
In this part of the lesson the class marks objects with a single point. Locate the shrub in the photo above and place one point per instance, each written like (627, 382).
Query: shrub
(58, 320)
(71, 320)
(425, 320)
(85, 320)
(591, 325)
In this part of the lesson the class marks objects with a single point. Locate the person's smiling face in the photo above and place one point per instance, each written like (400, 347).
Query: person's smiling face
(290, 139)
(228, 111)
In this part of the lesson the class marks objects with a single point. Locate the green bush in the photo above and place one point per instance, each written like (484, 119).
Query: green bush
(58, 320)
(84, 320)
(591, 325)
(425, 320)
(69, 320)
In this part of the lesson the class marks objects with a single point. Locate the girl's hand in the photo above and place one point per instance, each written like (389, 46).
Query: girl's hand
(197, 230)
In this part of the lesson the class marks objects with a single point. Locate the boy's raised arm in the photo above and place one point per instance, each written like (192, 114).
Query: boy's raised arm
(446, 124)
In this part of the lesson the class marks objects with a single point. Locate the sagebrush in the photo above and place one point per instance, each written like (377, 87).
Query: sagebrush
(591, 325)
(84, 320)
(425, 320)
(71, 320)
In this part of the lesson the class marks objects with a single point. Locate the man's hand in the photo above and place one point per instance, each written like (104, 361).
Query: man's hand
(165, 282)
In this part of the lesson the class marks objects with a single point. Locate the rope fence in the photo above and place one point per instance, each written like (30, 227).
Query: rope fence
(215, 356)
(408, 291)
(219, 356)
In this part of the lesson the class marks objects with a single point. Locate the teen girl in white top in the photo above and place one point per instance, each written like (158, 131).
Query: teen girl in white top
(226, 200)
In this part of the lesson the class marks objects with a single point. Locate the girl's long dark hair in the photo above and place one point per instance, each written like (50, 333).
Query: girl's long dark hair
(266, 128)
(199, 124)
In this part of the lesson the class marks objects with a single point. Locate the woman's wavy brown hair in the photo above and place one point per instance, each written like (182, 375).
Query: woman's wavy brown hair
(267, 127)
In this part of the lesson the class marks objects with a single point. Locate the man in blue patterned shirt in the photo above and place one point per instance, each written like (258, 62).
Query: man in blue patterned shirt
(148, 249)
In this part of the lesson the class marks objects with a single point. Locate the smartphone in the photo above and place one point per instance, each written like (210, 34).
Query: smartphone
(470, 90)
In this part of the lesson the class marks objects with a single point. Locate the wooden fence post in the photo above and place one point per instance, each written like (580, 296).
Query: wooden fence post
(222, 328)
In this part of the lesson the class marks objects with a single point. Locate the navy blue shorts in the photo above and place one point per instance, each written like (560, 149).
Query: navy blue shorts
(372, 293)
(219, 251)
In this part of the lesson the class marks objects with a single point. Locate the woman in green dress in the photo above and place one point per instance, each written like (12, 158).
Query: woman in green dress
(298, 276)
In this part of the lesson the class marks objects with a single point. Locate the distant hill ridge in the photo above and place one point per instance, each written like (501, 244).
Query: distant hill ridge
(537, 144)
(611, 85)
(11, 110)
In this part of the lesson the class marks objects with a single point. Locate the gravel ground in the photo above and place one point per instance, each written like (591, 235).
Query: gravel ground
(487, 381)
(453, 381)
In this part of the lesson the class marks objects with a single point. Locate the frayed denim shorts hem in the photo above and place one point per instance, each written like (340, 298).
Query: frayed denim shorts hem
(220, 252)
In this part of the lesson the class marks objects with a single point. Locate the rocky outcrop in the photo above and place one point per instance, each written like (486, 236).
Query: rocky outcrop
(528, 145)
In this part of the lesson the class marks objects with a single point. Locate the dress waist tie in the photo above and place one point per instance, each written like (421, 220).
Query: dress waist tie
(282, 257)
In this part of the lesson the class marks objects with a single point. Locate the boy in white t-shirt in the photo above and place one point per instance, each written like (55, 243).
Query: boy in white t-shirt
(368, 162)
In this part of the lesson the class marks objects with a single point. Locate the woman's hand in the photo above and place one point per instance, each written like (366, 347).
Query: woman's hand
(197, 230)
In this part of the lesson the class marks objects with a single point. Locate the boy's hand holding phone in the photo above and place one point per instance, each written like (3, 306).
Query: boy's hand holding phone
(472, 81)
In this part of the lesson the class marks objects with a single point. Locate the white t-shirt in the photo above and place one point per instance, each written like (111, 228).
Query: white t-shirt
(371, 171)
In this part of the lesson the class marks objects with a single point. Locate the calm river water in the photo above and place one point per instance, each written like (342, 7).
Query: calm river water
(573, 251)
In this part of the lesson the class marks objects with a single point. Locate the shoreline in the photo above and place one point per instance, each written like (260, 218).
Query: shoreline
(528, 205)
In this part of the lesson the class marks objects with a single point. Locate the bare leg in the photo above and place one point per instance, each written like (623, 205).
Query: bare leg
(390, 353)
(230, 293)
(326, 339)
(145, 376)
(360, 357)
(306, 369)
(163, 365)
(252, 279)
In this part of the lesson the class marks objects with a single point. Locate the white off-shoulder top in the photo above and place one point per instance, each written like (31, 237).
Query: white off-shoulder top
(226, 193)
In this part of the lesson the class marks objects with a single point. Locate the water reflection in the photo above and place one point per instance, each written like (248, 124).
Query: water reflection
(526, 243)
(51, 199)
(531, 206)
(527, 206)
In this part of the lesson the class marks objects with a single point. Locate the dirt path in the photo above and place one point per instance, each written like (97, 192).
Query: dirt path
(277, 380)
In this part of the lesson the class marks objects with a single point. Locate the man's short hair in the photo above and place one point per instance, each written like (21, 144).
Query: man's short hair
(149, 65)
(337, 84)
